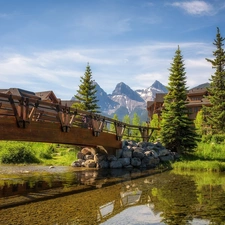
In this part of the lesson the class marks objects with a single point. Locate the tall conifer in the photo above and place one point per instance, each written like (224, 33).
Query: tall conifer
(177, 130)
(87, 93)
(215, 115)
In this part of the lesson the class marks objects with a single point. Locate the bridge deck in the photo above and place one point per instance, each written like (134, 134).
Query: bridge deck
(27, 119)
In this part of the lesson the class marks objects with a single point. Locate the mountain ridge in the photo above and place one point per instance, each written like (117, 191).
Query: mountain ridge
(126, 101)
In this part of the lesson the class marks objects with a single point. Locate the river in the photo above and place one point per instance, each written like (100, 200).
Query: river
(67, 196)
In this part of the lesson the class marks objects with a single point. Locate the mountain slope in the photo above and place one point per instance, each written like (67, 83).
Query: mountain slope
(149, 93)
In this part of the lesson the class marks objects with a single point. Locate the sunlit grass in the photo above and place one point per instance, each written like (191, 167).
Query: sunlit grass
(207, 157)
(44, 153)
(199, 165)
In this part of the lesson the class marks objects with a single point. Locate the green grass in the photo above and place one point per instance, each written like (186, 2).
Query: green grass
(12, 152)
(207, 157)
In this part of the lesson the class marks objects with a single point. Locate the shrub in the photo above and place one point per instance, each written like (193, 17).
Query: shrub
(218, 138)
(18, 154)
(46, 153)
(206, 138)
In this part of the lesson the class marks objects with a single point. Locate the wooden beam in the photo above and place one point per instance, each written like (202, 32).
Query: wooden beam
(51, 133)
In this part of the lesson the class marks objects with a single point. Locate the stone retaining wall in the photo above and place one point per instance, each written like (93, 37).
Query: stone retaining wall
(132, 154)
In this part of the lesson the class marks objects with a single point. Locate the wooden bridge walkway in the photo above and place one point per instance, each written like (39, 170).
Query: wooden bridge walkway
(29, 119)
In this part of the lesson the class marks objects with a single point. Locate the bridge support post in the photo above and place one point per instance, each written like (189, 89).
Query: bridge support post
(21, 112)
(145, 133)
(97, 124)
(66, 118)
(119, 127)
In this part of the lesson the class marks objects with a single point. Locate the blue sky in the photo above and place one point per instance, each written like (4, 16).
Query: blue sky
(46, 44)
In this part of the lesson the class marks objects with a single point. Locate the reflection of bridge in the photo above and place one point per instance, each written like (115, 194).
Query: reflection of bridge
(29, 119)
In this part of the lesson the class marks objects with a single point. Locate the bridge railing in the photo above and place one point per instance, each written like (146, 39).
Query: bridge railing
(29, 109)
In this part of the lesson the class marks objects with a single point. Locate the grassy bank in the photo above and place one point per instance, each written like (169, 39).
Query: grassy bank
(209, 156)
(12, 152)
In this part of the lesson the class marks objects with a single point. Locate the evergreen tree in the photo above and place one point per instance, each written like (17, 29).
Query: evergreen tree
(135, 132)
(199, 123)
(112, 126)
(177, 130)
(155, 122)
(215, 115)
(126, 119)
(87, 93)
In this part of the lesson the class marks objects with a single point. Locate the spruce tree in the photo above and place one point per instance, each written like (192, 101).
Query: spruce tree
(177, 130)
(215, 115)
(87, 93)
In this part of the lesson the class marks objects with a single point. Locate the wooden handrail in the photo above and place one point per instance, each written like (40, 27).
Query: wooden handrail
(27, 110)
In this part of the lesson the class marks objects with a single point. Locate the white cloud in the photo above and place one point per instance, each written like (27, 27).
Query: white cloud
(138, 67)
(195, 7)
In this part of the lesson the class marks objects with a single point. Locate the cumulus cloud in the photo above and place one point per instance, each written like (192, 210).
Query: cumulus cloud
(195, 7)
(138, 67)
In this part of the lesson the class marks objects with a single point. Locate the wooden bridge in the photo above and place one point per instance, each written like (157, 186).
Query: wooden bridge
(29, 119)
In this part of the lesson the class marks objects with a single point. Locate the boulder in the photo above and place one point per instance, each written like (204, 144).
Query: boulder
(103, 164)
(124, 161)
(138, 154)
(88, 151)
(98, 157)
(115, 164)
(80, 155)
(135, 162)
(112, 158)
(90, 163)
(87, 157)
(127, 154)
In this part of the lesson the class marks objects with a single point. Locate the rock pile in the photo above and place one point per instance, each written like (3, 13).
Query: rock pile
(131, 155)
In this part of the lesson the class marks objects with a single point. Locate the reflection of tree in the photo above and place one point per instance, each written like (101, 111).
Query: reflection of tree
(212, 204)
(210, 196)
(176, 200)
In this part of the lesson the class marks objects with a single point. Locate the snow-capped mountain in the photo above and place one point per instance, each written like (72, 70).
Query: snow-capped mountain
(104, 101)
(130, 101)
(125, 101)
(149, 93)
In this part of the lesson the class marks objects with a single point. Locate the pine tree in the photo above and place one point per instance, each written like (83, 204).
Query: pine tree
(177, 130)
(87, 93)
(215, 115)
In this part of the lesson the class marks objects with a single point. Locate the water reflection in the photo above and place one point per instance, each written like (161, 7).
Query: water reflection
(114, 197)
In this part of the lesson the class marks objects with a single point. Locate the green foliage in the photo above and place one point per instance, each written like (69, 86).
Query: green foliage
(126, 119)
(112, 126)
(199, 123)
(27, 152)
(199, 165)
(215, 115)
(206, 138)
(177, 130)
(46, 153)
(135, 132)
(87, 93)
(209, 156)
(20, 153)
(155, 122)
(218, 138)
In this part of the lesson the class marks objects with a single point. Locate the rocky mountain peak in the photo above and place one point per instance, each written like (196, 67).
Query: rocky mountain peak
(159, 86)
(124, 90)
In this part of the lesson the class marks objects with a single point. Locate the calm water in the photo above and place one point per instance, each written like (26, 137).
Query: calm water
(112, 197)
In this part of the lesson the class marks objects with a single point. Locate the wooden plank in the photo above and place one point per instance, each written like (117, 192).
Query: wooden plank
(51, 133)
